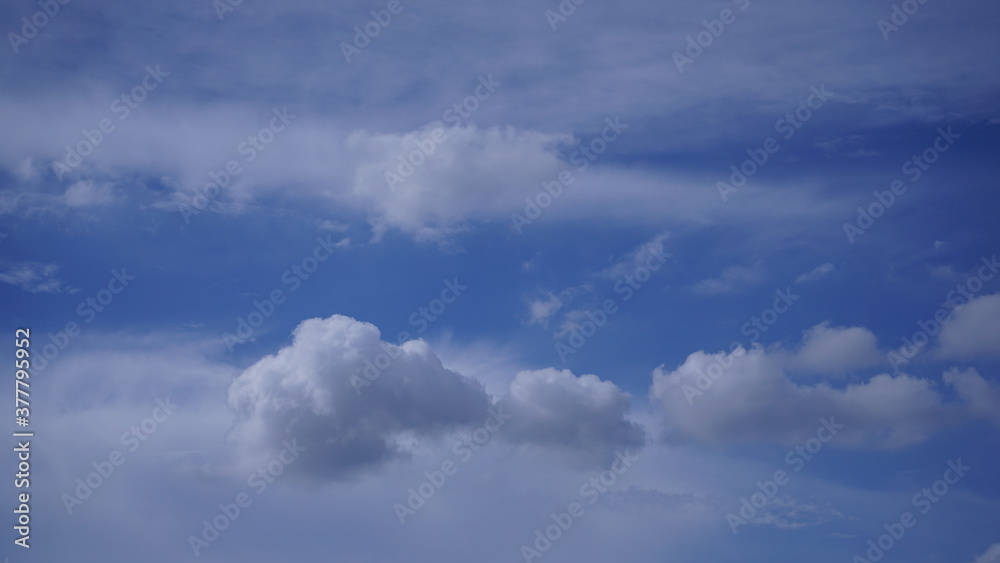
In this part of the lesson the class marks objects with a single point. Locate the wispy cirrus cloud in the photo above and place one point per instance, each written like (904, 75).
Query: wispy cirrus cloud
(733, 279)
(34, 277)
(819, 272)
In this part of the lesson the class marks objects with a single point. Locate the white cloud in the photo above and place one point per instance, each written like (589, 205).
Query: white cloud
(27, 171)
(86, 193)
(992, 555)
(732, 280)
(577, 302)
(755, 401)
(786, 513)
(472, 174)
(582, 415)
(34, 277)
(816, 273)
(836, 350)
(650, 252)
(305, 392)
(945, 272)
(478, 174)
(973, 331)
(542, 309)
(335, 226)
(982, 396)
(561, 306)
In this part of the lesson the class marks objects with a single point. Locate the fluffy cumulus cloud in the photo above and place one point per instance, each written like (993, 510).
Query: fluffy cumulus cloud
(429, 181)
(837, 350)
(586, 140)
(355, 402)
(581, 415)
(973, 331)
(306, 392)
(746, 396)
(982, 396)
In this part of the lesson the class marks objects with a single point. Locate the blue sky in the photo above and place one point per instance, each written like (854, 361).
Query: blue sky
(399, 281)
